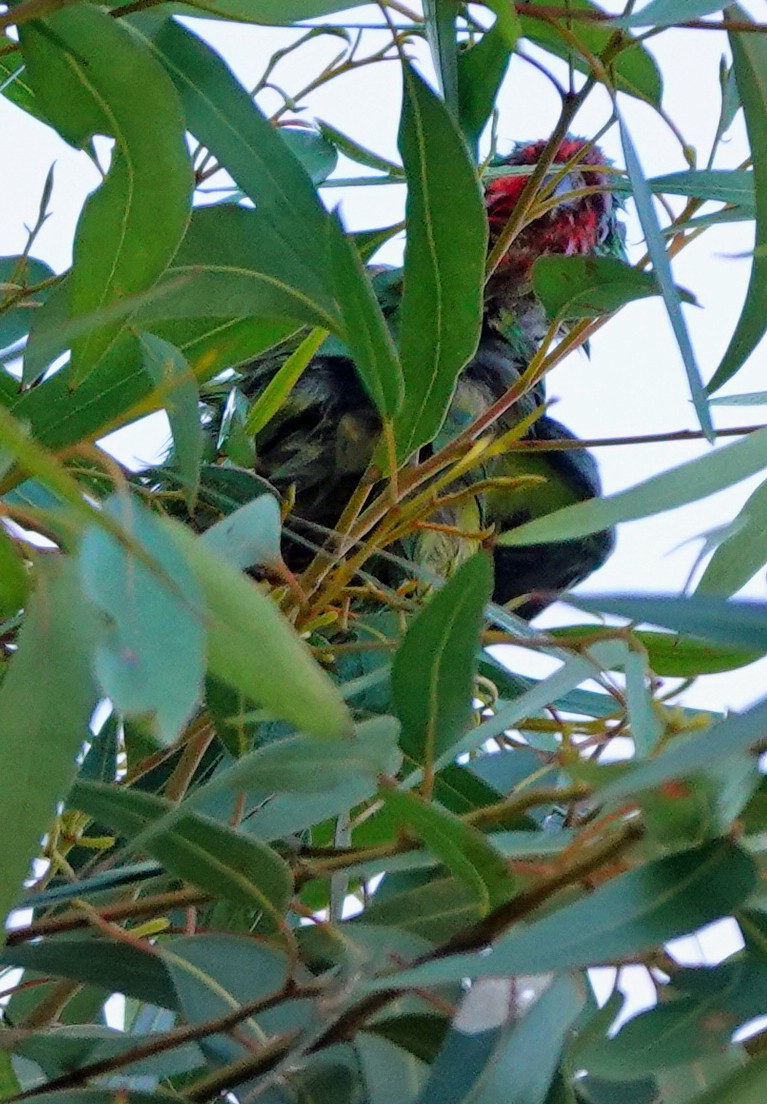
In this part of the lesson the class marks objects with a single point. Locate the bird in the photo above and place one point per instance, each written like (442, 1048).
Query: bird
(321, 442)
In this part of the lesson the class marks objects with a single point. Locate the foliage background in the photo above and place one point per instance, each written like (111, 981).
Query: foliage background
(605, 864)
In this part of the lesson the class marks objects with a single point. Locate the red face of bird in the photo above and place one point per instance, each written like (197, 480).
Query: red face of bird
(578, 224)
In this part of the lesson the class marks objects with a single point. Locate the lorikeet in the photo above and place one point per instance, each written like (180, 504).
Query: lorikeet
(321, 441)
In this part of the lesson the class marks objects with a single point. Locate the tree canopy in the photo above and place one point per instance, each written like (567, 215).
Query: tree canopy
(325, 842)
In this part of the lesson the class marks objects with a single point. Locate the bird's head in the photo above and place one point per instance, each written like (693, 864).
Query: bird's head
(579, 224)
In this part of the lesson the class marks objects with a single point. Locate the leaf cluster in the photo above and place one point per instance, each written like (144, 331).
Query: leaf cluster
(321, 840)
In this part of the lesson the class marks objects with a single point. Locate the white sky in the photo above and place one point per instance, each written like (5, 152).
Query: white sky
(633, 383)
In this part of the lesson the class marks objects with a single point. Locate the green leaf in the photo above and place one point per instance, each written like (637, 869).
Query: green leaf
(16, 87)
(434, 911)
(109, 963)
(623, 918)
(222, 116)
(349, 779)
(698, 752)
(481, 70)
(47, 697)
(663, 13)
(300, 765)
(9, 1082)
(488, 1057)
(687, 483)
(741, 624)
(216, 974)
(271, 399)
(656, 248)
(633, 71)
(464, 850)
(219, 859)
(104, 1096)
(366, 333)
(233, 263)
(743, 1086)
(248, 536)
(16, 275)
(390, 1071)
(14, 580)
(179, 394)
(444, 263)
(253, 649)
(589, 287)
(749, 53)
(439, 18)
(722, 185)
(355, 152)
(738, 558)
(673, 656)
(317, 155)
(270, 12)
(85, 68)
(119, 390)
(702, 1008)
(152, 658)
(647, 728)
(435, 666)
(751, 398)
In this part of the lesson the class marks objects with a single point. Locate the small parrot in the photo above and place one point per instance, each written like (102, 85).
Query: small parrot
(321, 441)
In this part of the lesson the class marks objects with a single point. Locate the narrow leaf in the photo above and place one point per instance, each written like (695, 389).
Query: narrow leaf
(46, 700)
(282, 382)
(152, 658)
(355, 152)
(252, 648)
(486, 1058)
(180, 396)
(439, 17)
(656, 248)
(367, 335)
(623, 918)
(687, 483)
(444, 263)
(738, 558)
(112, 964)
(85, 67)
(481, 70)
(722, 185)
(673, 656)
(300, 765)
(463, 849)
(742, 624)
(223, 117)
(589, 287)
(248, 536)
(749, 53)
(219, 859)
(664, 13)
(434, 669)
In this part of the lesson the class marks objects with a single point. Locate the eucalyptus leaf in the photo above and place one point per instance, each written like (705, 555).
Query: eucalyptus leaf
(151, 658)
(444, 263)
(749, 54)
(632, 913)
(46, 699)
(84, 68)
